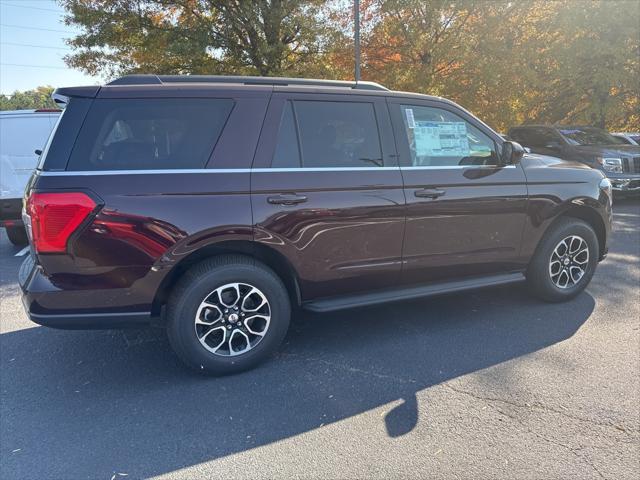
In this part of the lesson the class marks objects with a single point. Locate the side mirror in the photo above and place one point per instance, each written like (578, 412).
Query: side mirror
(37, 152)
(512, 152)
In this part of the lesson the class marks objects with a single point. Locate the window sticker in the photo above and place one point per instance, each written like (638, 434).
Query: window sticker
(441, 139)
(411, 121)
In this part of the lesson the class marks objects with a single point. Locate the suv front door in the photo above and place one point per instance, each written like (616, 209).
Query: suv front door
(465, 212)
(327, 192)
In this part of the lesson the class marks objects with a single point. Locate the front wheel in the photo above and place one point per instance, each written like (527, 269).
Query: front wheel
(227, 314)
(565, 261)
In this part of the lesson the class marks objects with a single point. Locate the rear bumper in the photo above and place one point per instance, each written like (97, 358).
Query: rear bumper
(45, 304)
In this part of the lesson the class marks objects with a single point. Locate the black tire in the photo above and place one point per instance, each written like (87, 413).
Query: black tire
(539, 276)
(197, 284)
(17, 236)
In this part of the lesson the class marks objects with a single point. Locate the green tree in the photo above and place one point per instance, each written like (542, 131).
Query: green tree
(264, 37)
(39, 97)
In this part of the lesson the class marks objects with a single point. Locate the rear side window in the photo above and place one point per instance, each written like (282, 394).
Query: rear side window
(287, 153)
(318, 134)
(153, 134)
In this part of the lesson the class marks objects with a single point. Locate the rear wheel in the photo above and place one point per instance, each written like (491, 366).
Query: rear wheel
(227, 314)
(565, 261)
(17, 236)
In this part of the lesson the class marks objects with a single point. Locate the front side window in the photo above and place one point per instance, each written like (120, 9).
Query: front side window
(140, 134)
(319, 134)
(439, 138)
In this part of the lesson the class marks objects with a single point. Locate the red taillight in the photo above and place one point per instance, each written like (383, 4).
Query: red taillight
(55, 216)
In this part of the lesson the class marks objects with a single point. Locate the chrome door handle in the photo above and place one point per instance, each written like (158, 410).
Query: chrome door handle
(429, 193)
(286, 199)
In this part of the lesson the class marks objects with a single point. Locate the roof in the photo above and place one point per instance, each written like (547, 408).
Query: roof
(245, 80)
(163, 84)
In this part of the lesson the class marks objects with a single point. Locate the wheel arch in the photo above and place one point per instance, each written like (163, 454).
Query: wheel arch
(270, 257)
(591, 217)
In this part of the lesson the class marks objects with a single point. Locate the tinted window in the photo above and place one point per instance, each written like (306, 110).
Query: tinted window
(287, 152)
(137, 134)
(438, 137)
(588, 136)
(623, 140)
(338, 134)
(535, 137)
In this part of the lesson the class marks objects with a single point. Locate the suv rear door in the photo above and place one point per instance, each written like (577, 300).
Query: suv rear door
(327, 192)
(169, 167)
(465, 212)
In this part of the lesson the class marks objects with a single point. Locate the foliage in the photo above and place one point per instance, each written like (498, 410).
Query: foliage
(31, 99)
(262, 37)
(509, 62)
(534, 61)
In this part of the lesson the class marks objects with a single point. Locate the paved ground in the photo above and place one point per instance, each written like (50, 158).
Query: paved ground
(484, 385)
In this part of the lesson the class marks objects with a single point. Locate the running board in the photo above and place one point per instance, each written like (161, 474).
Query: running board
(395, 295)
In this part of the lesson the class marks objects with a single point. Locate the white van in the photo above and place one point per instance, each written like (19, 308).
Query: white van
(22, 132)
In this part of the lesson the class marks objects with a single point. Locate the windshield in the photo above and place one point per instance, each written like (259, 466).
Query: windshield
(589, 136)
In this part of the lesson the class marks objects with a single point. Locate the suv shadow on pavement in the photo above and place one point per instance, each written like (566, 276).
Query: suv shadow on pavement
(87, 404)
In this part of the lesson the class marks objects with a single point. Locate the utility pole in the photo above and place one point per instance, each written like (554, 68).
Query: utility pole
(356, 34)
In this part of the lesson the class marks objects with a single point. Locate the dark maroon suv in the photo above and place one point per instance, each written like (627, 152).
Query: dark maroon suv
(212, 206)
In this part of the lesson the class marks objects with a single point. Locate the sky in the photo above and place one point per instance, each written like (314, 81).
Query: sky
(32, 44)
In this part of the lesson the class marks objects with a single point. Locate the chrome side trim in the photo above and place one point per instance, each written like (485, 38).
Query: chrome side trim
(256, 170)
(138, 172)
(456, 167)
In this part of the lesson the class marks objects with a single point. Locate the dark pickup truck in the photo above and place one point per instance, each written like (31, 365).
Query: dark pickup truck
(593, 146)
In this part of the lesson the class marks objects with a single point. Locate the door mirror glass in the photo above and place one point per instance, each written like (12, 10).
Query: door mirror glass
(512, 153)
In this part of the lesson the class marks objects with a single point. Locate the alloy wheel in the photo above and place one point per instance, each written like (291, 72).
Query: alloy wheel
(232, 319)
(569, 261)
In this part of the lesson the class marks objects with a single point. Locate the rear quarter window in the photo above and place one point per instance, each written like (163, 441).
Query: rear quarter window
(149, 134)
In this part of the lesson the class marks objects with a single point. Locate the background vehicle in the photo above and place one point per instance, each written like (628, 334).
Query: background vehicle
(212, 205)
(21, 133)
(592, 146)
(629, 138)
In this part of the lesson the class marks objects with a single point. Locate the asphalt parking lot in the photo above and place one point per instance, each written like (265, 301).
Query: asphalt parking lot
(490, 384)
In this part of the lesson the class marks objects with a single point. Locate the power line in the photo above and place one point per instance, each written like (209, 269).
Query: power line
(32, 66)
(36, 28)
(29, 7)
(33, 46)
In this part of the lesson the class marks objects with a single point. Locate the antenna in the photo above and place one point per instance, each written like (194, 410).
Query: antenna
(356, 34)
